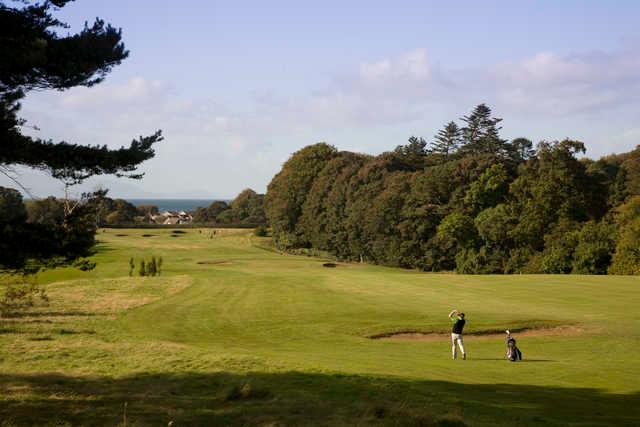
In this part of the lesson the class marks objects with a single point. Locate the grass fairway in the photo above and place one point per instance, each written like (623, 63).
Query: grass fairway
(234, 334)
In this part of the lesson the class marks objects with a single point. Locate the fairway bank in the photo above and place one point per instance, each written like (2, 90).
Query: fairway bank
(487, 334)
(226, 313)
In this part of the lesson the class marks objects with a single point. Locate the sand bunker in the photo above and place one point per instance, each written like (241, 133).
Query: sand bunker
(439, 336)
(335, 264)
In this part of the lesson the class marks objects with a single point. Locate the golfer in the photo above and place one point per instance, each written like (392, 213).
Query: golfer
(458, 321)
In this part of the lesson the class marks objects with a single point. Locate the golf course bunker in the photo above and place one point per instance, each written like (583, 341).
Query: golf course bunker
(492, 334)
(149, 235)
(334, 264)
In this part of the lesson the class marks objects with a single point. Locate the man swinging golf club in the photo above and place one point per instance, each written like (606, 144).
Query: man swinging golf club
(458, 321)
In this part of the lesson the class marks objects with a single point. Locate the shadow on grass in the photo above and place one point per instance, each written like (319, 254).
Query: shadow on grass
(294, 398)
(101, 247)
(57, 313)
(519, 361)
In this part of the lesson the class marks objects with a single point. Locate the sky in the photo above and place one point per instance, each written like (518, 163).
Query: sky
(238, 86)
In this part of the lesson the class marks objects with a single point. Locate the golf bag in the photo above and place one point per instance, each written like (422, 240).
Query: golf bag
(513, 352)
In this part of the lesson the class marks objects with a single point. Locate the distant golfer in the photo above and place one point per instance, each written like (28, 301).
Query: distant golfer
(458, 321)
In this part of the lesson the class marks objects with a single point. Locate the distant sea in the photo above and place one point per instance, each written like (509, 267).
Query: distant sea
(173, 204)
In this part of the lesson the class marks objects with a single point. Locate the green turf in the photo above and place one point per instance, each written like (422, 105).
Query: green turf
(234, 334)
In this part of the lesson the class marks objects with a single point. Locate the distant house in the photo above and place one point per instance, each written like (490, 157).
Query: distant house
(173, 218)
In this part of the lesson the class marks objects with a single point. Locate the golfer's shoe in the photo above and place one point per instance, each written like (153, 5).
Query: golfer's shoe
(464, 356)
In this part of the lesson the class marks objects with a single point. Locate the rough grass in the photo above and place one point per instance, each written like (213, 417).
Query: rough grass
(233, 334)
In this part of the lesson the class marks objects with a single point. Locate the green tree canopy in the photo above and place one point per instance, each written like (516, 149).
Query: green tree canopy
(288, 190)
(36, 55)
(489, 206)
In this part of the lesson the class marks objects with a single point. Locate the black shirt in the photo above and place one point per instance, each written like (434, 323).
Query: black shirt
(457, 327)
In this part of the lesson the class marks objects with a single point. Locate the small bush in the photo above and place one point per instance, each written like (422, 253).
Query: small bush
(84, 264)
(152, 267)
(21, 292)
(260, 231)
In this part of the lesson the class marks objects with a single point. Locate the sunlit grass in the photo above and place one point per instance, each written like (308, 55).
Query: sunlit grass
(226, 313)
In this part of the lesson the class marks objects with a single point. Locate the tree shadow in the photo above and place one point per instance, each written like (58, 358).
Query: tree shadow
(48, 313)
(101, 247)
(295, 398)
(504, 359)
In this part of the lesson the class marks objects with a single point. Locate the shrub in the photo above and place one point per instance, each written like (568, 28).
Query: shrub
(21, 292)
(152, 267)
(260, 231)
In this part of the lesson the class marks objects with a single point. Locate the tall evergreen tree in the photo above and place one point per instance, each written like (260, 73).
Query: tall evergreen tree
(413, 154)
(34, 56)
(481, 133)
(521, 149)
(447, 141)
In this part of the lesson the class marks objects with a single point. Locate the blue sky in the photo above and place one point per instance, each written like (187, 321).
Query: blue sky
(239, 86)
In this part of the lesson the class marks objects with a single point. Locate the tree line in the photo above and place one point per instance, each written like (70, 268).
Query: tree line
(468, 201)
(246, 209)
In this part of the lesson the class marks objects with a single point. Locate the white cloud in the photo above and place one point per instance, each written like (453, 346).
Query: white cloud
(135, 90)
(557, 84)
(412, 65)
(221, 150)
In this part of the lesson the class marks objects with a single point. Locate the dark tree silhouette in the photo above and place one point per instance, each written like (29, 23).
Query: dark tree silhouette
(35, 57)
